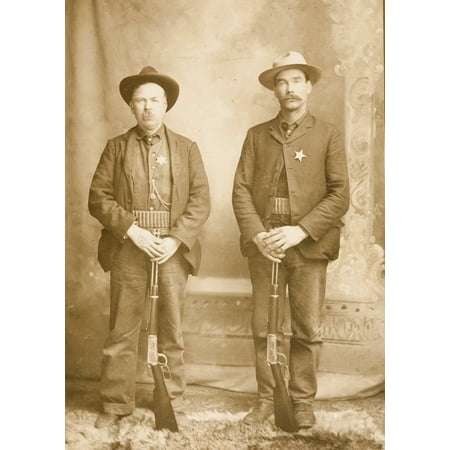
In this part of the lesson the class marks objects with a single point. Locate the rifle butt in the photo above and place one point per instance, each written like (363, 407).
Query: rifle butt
(282, 403)
(164, 413)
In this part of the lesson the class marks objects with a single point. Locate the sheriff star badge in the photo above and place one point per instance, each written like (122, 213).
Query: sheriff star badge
(300, 155)
(161, 160)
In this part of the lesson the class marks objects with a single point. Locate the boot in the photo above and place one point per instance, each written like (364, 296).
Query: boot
(304, 415)
(260, 413)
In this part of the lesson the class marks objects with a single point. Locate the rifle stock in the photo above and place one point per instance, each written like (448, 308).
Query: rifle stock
(283, 407)
(163, 410)
(164, 414)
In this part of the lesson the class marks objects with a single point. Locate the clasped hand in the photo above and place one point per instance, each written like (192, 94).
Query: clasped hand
(158, 249)
(273, 244)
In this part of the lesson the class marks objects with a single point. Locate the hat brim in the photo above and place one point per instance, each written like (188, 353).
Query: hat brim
(170, 86)
(267, 78)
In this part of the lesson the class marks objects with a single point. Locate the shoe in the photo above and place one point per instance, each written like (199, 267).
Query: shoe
(179, 404)
(105, 420)
(304, 415)
(260, 413)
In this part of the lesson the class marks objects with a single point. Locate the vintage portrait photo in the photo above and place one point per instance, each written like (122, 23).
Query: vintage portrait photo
(225, 224)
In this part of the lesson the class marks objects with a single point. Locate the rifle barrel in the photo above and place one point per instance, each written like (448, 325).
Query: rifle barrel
(272, 327)
(152, 326)
(283, 407)
(164, 413)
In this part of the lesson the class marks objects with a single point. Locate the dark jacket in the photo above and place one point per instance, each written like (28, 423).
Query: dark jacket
(318, 185)
(111, 195)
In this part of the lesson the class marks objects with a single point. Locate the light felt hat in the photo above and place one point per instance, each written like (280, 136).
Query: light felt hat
(150, 75)
(290, 60)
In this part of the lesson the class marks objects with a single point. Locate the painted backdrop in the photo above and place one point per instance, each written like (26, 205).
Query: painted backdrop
(216, 50)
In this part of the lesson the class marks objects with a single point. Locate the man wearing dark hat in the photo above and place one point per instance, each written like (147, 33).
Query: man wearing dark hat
(148, 179)
(290, 192)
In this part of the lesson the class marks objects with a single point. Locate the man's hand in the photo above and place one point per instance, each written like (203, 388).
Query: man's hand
(259, 240)
(146, 241)
(170, 245)
(282, 238)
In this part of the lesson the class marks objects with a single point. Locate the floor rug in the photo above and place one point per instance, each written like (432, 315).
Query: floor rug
(214, 430)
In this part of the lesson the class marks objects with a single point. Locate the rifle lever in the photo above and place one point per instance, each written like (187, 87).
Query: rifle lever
(162, 361)
(282, 360)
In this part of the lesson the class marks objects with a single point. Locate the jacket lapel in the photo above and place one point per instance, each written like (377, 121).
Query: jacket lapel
(274, 131)
(174, 156)
(129, 159)
(175, 167)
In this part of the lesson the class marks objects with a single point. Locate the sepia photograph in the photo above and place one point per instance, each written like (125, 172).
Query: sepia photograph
(224, 224)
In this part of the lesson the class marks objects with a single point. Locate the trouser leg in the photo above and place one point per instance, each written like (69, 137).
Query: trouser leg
(306, 286)
(260, 273)
(172, 283)
(128, 289)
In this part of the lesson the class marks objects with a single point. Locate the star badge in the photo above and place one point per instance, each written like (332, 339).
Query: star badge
(300, 155)
(161, 160)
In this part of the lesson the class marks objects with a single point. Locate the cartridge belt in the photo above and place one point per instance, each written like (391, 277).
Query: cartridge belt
(281, 206)
(153, 221)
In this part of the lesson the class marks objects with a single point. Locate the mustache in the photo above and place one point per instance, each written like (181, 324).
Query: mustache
(291, 96)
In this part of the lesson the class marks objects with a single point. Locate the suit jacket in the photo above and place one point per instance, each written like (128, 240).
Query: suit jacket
(111, 194)
(318, 185)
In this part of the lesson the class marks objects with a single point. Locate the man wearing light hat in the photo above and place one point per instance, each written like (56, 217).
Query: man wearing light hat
(148, 179)
(291, 190)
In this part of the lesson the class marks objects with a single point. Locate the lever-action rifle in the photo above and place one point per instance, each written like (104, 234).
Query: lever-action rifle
(283, 407)
(164, 414)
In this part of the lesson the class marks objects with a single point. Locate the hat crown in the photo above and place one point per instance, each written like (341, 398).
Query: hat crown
(147, 70)
(150, 75)
(289, 58)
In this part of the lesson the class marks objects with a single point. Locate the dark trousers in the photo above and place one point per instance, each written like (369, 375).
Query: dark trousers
(305, 280)
(129, 273)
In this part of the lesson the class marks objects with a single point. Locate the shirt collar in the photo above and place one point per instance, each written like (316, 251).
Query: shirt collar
(141, 133)
(281, 120)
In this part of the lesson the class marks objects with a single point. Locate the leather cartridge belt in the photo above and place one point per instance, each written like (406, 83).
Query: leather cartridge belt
(281, 206)
(153, 221)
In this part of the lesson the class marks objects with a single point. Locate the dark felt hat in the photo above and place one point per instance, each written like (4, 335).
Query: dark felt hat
(150, 75)
(290, 60)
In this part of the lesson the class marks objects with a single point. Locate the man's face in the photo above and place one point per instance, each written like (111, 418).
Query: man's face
(148, 104)
(292, 89)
